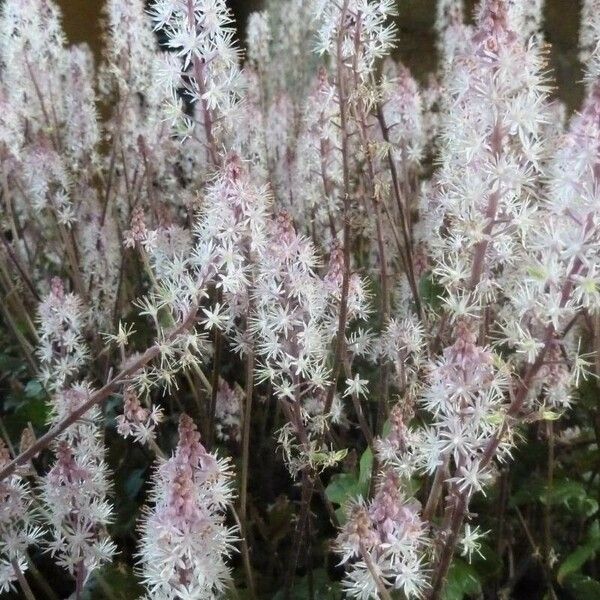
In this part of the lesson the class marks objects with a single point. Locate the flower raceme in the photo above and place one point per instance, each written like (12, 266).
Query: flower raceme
(62, 351)
(74, 494)
(386, 538)
(18, 525)
(415, 265)
(201, 34)
(184, 539)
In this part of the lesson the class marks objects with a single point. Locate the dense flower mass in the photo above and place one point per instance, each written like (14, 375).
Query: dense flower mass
(62, 351)
(74, 492)
(201, 34)
(365, 292)
(387, 538)
(184, 538)
(18, 528)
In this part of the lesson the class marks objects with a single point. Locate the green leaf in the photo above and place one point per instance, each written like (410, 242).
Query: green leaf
(583, 587)
(365, 469)
(346, 486)
(430, 291)
(527, 494)
(26, 405)
(114, 581)
(462, 581)
(387, 427)
(112, 407)
(487, 563)
(594, 531)
(11, 364)
(342, 487)
(573, 496)
(574, 561)
(550, 415)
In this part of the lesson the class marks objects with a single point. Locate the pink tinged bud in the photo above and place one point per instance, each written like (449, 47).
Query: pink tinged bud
(138, 232)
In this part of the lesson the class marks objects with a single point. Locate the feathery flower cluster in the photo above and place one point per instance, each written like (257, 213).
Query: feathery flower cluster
(201, 34)
(561, 272)
(360, 27)
(231, 232)
(18, 527)
(466, 396)
(259, 39)
(138, 234)
(385, 541)
(137, 421)
(74, 491)
(292, 318)
(228, 412)
(452, 32)
(185, 540)
(318, 163)
(526, 18)
(62, 350)
(490, 164)
(400, 448)
(589, 34)
(74, 495)
(569, 244)
(403, 113)
(402, 343)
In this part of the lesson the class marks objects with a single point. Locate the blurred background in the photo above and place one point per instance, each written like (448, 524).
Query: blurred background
(416, 45)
